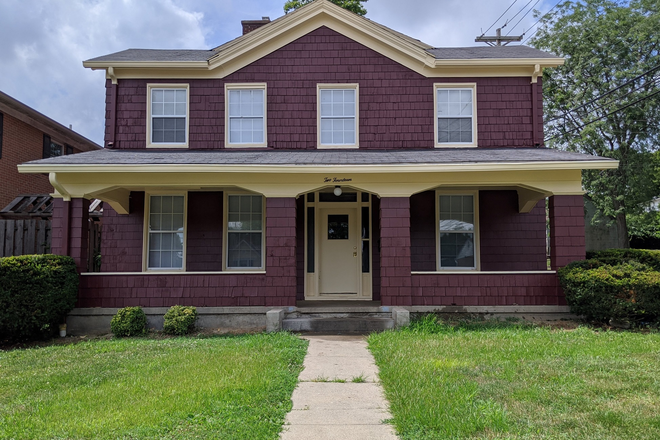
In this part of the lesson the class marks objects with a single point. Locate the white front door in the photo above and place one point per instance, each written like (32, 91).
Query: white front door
(339, 254)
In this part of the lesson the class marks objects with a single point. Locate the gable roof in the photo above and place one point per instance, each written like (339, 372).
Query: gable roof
(244, 50)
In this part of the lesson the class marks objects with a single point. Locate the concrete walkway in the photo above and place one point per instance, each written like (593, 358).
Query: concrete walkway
(338, 396)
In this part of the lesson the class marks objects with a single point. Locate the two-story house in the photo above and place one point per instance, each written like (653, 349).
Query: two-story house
(322, 156)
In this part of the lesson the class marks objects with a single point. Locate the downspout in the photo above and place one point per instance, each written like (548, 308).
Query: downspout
(536, 138)
(112, 120)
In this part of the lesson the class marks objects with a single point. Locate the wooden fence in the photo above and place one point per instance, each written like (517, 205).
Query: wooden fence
(24, 237)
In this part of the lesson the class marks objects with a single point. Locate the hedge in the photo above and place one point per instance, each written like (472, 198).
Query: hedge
(36, 293)
(620, 284)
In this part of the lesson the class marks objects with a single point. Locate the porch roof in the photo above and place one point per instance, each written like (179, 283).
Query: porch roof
(513, 158)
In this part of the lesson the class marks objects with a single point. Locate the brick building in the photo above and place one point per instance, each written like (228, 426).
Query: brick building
(25, 135)
(323, 157)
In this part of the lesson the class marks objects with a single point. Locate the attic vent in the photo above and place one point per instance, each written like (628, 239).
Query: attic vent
(250, 25)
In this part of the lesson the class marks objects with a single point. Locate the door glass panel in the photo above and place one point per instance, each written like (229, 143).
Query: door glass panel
(365, 256)
(310, 239)
(338, 227)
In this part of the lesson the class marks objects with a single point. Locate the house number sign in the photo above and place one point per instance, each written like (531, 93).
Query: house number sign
(336, 180)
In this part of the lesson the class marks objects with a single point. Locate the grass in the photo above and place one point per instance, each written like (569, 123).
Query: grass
(142, 388)
(494, 380)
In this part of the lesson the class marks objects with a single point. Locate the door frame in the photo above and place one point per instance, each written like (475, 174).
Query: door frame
(311, 279)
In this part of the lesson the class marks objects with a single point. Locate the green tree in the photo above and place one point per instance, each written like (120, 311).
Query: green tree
(608, 46)
(354, 6)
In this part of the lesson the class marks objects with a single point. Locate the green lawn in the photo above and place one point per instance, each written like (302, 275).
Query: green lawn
(141, 388)
(515, 381)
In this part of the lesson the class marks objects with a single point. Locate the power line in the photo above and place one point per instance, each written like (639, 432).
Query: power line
(522, 9)
(580, 127)
(498, 18)
(523, 17)
(538, 21)
(609, 92)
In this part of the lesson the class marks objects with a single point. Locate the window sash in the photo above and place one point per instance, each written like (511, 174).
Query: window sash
(169, 111)
(245, 223)
(246, 115)
(166, 232)
(338, 116)
(455, 113)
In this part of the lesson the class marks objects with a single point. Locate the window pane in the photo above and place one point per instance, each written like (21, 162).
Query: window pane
(365, 256)
(457, 250)
(244, 249)
(338, 227)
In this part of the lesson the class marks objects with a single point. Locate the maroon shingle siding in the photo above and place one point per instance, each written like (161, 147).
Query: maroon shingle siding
(396, 103)
(567, 241)
(486, 290)
(510, 240)
(300, 247)
(395, 251)
(205, 229)
(422, 232)
(122, 237)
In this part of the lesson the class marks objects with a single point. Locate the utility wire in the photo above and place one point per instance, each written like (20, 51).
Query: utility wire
(498, 19)
(538, 21)
(522, 9)
(580, 127)
(609, 92)
(522, 18)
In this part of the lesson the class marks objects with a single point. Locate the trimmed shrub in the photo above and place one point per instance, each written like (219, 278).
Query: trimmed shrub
(36, 293)
(129, 321)
(614, 257)
(180, 320)
(621, 291)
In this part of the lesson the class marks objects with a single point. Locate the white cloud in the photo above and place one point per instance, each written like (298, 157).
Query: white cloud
(46, 42)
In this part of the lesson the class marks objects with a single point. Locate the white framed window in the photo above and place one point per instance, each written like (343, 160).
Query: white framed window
(245, 241)
(455, 115)
(167, 120)
(338, 112)
(245, 120)
(166, 232)
(457, 245)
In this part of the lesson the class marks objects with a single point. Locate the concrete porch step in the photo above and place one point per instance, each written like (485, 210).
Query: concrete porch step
(338, 325)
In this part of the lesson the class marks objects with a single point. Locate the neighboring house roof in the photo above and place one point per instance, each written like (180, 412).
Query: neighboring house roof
(30, 116)
(513, 157)
(412, 53)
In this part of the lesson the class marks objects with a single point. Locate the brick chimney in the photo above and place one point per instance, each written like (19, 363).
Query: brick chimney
(250, 25)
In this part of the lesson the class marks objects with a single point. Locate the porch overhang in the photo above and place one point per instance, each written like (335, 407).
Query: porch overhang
(111, 175)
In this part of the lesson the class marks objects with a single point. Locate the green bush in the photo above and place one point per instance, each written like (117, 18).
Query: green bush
(129, 321)
(36, 293)
(614, 257)
(180, 320)
(617, 284)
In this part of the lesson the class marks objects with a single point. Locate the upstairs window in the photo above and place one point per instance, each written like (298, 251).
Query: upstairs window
(51, 149)
(168, 116)
(455, 115)
(246, 115)
(338, 110)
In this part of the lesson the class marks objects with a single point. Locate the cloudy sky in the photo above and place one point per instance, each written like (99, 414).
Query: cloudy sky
(45, 41)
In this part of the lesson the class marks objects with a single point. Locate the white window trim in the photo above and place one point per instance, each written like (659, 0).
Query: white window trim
(320, 87)
(151, 144)
(243, 86)
(471, 86)
(225, 234)
(477, 244)
(145, 239)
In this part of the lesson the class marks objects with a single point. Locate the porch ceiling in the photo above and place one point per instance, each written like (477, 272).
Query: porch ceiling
(110, 175)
